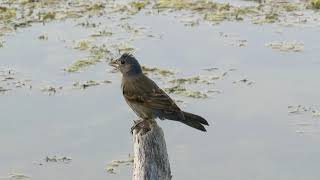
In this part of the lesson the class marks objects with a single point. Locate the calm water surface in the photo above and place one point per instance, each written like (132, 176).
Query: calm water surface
(251, 136)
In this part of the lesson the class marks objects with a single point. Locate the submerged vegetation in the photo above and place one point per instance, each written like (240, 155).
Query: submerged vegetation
(300, 109)
(115, 164)
(310, 117)
(155, 70)
(315, 4)
(1, 44)
(82, 45)
(11, 80)
(80, 64)
(293, 46)
(51, 90)
(119, 37)
(271, 11)
(90, 83)
(54, 158)
(7, 13)
(139, 4)
(108, 30)
(178, 89)
(15, 175)
(16, 14)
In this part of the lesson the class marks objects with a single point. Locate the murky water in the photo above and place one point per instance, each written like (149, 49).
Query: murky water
(251, 136)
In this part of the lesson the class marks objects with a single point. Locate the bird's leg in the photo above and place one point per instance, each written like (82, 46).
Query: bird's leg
(142, 124)
(136, 124)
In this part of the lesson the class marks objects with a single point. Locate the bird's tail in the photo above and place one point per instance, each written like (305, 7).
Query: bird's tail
(194, 121)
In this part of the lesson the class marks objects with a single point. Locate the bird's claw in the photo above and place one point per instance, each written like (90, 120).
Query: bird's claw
(136, 124)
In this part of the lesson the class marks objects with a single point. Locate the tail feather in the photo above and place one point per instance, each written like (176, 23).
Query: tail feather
(194, 121)
(195, 118)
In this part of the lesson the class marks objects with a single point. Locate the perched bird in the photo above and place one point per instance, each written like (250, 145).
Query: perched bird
(146, 99)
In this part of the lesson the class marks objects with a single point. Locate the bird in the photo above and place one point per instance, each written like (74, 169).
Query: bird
(147, 99)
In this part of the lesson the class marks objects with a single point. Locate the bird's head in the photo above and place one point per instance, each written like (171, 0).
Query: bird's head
(127, 64)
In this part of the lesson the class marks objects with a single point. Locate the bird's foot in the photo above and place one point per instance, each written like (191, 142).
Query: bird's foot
(140, 124)
(136, 124)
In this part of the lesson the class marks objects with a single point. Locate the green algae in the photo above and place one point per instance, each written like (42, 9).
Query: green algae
(96, 54)
(3, 90)
(15, 175)
(186, 92)
(112, 167)
(208, 11)
(125, 47)
(178, 87)
(23, 13)
(195, 80)
(315, 4)
(244, 81)
(80, 64)
(111, 170)
(301, 109)
(54, 158)
(139, 4)
(102, 33)
(271, 17)
(82, 45)
(47, 16)
(88, 24)
(211, 69)
(7, 13)
(11, 80)
(156, 70)
(95, 7)
(271, 11)
(90, 83)
(211, 11)
(289, 7)
(189, 80)
(215, 17)
(185, 4)
(130, 8)
(175, 89)
(51, 90)
(287, 46)
(43, 37)
(86, 84)
(1, 44)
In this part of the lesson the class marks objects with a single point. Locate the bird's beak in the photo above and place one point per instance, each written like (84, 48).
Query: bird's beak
(114, 63)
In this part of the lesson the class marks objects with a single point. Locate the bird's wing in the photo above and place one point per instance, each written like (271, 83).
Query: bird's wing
(144, 91)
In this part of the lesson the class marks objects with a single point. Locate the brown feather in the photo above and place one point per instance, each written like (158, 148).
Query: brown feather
(144, 91)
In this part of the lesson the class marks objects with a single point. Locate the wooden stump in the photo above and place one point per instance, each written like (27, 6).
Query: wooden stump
(151, 160)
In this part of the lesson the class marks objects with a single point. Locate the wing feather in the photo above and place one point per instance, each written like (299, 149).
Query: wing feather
(144, 91)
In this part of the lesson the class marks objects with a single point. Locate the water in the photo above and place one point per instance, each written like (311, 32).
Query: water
(251, 136)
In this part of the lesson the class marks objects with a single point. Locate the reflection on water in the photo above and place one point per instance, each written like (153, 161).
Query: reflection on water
(251, 134)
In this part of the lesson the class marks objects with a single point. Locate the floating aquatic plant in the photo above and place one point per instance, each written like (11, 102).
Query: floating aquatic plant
(112, 167)
(90, 83)
(178, 89)
(315, 4)
(156, 70)
(79, 64)
(289, 46)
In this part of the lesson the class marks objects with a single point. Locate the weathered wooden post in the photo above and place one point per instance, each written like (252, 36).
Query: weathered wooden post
(151, 161)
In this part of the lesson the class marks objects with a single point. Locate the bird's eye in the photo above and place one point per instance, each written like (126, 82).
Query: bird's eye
(122, 62)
